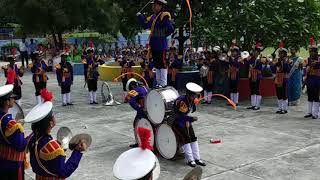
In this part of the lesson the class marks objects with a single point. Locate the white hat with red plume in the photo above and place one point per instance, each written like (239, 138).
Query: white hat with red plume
(42, 110)
(138, 162)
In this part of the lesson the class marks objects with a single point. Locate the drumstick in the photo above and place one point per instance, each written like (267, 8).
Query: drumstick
(145, 6)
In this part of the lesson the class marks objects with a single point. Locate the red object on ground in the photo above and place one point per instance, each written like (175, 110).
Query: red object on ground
(267, 88)
(215, 141)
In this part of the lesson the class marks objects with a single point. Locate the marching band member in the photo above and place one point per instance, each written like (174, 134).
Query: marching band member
(234, 73)
(13, 73)
(161, 28)
(39, 69)
(136, 97)
(64, 73)
(47, 157)
(126, 68)
(255, 77)
(91, 74)
(175, 64)
(183, 123)
(139, 163)
(147, 72)
(204, 73)
(281, 69)
(313, 81)
(12, 141)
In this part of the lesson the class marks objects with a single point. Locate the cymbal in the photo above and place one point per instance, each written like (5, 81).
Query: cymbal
(78, 138)
(64, 135)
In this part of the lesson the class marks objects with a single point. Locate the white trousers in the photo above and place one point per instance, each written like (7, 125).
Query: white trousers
(161, 77)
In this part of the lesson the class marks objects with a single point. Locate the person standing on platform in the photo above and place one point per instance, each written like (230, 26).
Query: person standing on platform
(281, 69)
(39, 69)
(160, 25)
(234, 73)
(313, 81)
(64, 73)
(13, 73)
(295, 77)
(12, 141)
(255, 77)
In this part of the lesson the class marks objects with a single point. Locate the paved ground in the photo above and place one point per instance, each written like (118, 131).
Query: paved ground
(255, 145)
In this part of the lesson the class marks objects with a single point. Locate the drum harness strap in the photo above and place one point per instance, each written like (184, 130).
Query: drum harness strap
(2, 134)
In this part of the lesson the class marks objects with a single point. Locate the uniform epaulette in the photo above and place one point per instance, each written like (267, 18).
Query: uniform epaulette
(164, 14)
(51, 151)
(133, 93)
(183, 107)
(57, 66)
(12, 127)
(149, 18)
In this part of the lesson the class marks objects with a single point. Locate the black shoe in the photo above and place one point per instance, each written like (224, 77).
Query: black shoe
(279, 111)
(95, 102)
(256, 108)
(91, 103)
(200, 163)
(308, 116)
(252, 107)
(133, 145)
(69, 104)
(283, 112)
(314, 117)
(192, 164)
(64, 104)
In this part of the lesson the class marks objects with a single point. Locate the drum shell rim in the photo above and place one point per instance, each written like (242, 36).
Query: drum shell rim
(164, 102)
(157, 145)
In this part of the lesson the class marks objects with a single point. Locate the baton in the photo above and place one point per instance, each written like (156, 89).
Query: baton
(145, 6)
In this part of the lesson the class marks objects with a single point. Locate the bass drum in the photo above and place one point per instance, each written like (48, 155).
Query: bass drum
(167, 142)
(16, 112)
(144, 123)
(159, 102)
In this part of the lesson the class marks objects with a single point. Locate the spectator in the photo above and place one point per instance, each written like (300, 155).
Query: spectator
(32, 48)
(23, 49)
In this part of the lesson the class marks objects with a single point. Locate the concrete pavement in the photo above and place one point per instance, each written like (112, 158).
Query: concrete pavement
(255, 144)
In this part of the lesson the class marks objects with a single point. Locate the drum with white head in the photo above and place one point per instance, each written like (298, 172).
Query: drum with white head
(144, 123)
(16, 112)
(166, 141)
(159, 102)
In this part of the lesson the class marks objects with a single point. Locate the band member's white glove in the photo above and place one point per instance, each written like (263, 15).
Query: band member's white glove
(138, 14)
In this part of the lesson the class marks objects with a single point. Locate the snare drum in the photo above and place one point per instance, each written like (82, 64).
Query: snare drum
(16, 112)
(167, 142)
(144, 123)
(159, 102)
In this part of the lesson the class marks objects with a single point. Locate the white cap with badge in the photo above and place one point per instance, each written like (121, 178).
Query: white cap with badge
(42, 110)
(6, 92)
(193, 87)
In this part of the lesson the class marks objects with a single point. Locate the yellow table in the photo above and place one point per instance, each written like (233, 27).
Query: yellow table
(108, 73)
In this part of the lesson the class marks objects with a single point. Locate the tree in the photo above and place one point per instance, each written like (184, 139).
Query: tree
(267, 21)
(57, 17)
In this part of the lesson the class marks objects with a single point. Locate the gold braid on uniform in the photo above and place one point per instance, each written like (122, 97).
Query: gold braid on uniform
(165, 14)
(12, 127)
(51, 150)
